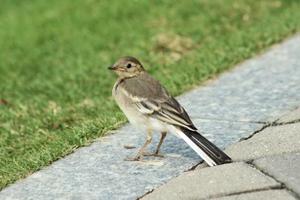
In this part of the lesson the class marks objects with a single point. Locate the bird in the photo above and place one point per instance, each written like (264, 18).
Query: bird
(149, 106)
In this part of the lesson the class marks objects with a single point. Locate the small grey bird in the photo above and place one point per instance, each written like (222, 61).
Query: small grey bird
(149, 106)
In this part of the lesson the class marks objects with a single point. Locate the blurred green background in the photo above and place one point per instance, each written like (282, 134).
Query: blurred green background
(55, 90)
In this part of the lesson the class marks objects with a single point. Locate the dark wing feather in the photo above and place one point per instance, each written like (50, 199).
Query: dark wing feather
(169, 111)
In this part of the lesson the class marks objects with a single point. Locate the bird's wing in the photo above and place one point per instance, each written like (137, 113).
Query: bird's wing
(169, 111)
(152, 99)
(166, 109)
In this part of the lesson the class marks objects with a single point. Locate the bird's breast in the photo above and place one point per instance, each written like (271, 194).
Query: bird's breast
(134, 116)
(128, 107)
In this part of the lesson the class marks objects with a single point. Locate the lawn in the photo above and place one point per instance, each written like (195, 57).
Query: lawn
(55, 89)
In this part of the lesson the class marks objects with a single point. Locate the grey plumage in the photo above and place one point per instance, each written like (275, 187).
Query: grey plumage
(152, 99)
(148, 105)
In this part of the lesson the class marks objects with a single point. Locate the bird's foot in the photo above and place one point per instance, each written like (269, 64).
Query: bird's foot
(136, 158)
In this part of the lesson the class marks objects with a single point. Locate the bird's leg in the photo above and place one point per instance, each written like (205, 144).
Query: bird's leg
(140, 154)
(163, 135)
(156, 153)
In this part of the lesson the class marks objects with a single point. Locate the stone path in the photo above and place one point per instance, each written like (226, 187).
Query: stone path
(236, 105)
(267, 167)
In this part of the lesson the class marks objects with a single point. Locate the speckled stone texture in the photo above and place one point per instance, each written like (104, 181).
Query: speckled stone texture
(290, 117)
(206, 183)
(265, 195)
(271, 141)
(286, 169)
(234, 106)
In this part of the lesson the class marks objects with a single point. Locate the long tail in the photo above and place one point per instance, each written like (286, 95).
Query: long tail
(207, 150)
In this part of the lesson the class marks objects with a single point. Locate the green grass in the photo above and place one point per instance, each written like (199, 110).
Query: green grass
(55, 91)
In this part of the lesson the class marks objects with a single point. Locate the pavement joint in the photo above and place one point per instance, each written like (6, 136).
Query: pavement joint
(255, 132)
(274, 186)
(250, 163)
(268, 124)
(149, 192)
(286, 123)
(244, 192)
(252, 191)
(283, 186)
(188, 170)
(195, 166)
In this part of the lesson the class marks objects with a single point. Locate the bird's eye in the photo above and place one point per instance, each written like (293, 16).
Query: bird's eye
(129, 65)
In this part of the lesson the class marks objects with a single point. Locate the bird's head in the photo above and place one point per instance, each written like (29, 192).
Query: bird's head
(127, 67)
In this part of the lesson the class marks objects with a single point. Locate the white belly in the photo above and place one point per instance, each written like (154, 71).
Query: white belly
(135, 117)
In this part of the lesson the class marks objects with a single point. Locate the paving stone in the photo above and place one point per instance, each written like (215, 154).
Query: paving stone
(265, 195)
(271, 141)
(290, 117)
(213, 181)
(285, 168)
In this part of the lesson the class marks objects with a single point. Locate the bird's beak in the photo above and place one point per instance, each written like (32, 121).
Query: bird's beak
(116, 68)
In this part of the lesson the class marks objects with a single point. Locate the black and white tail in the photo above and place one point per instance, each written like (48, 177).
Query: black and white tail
(207, 150)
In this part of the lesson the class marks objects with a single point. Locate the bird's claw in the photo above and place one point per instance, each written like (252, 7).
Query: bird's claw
(136, 158)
